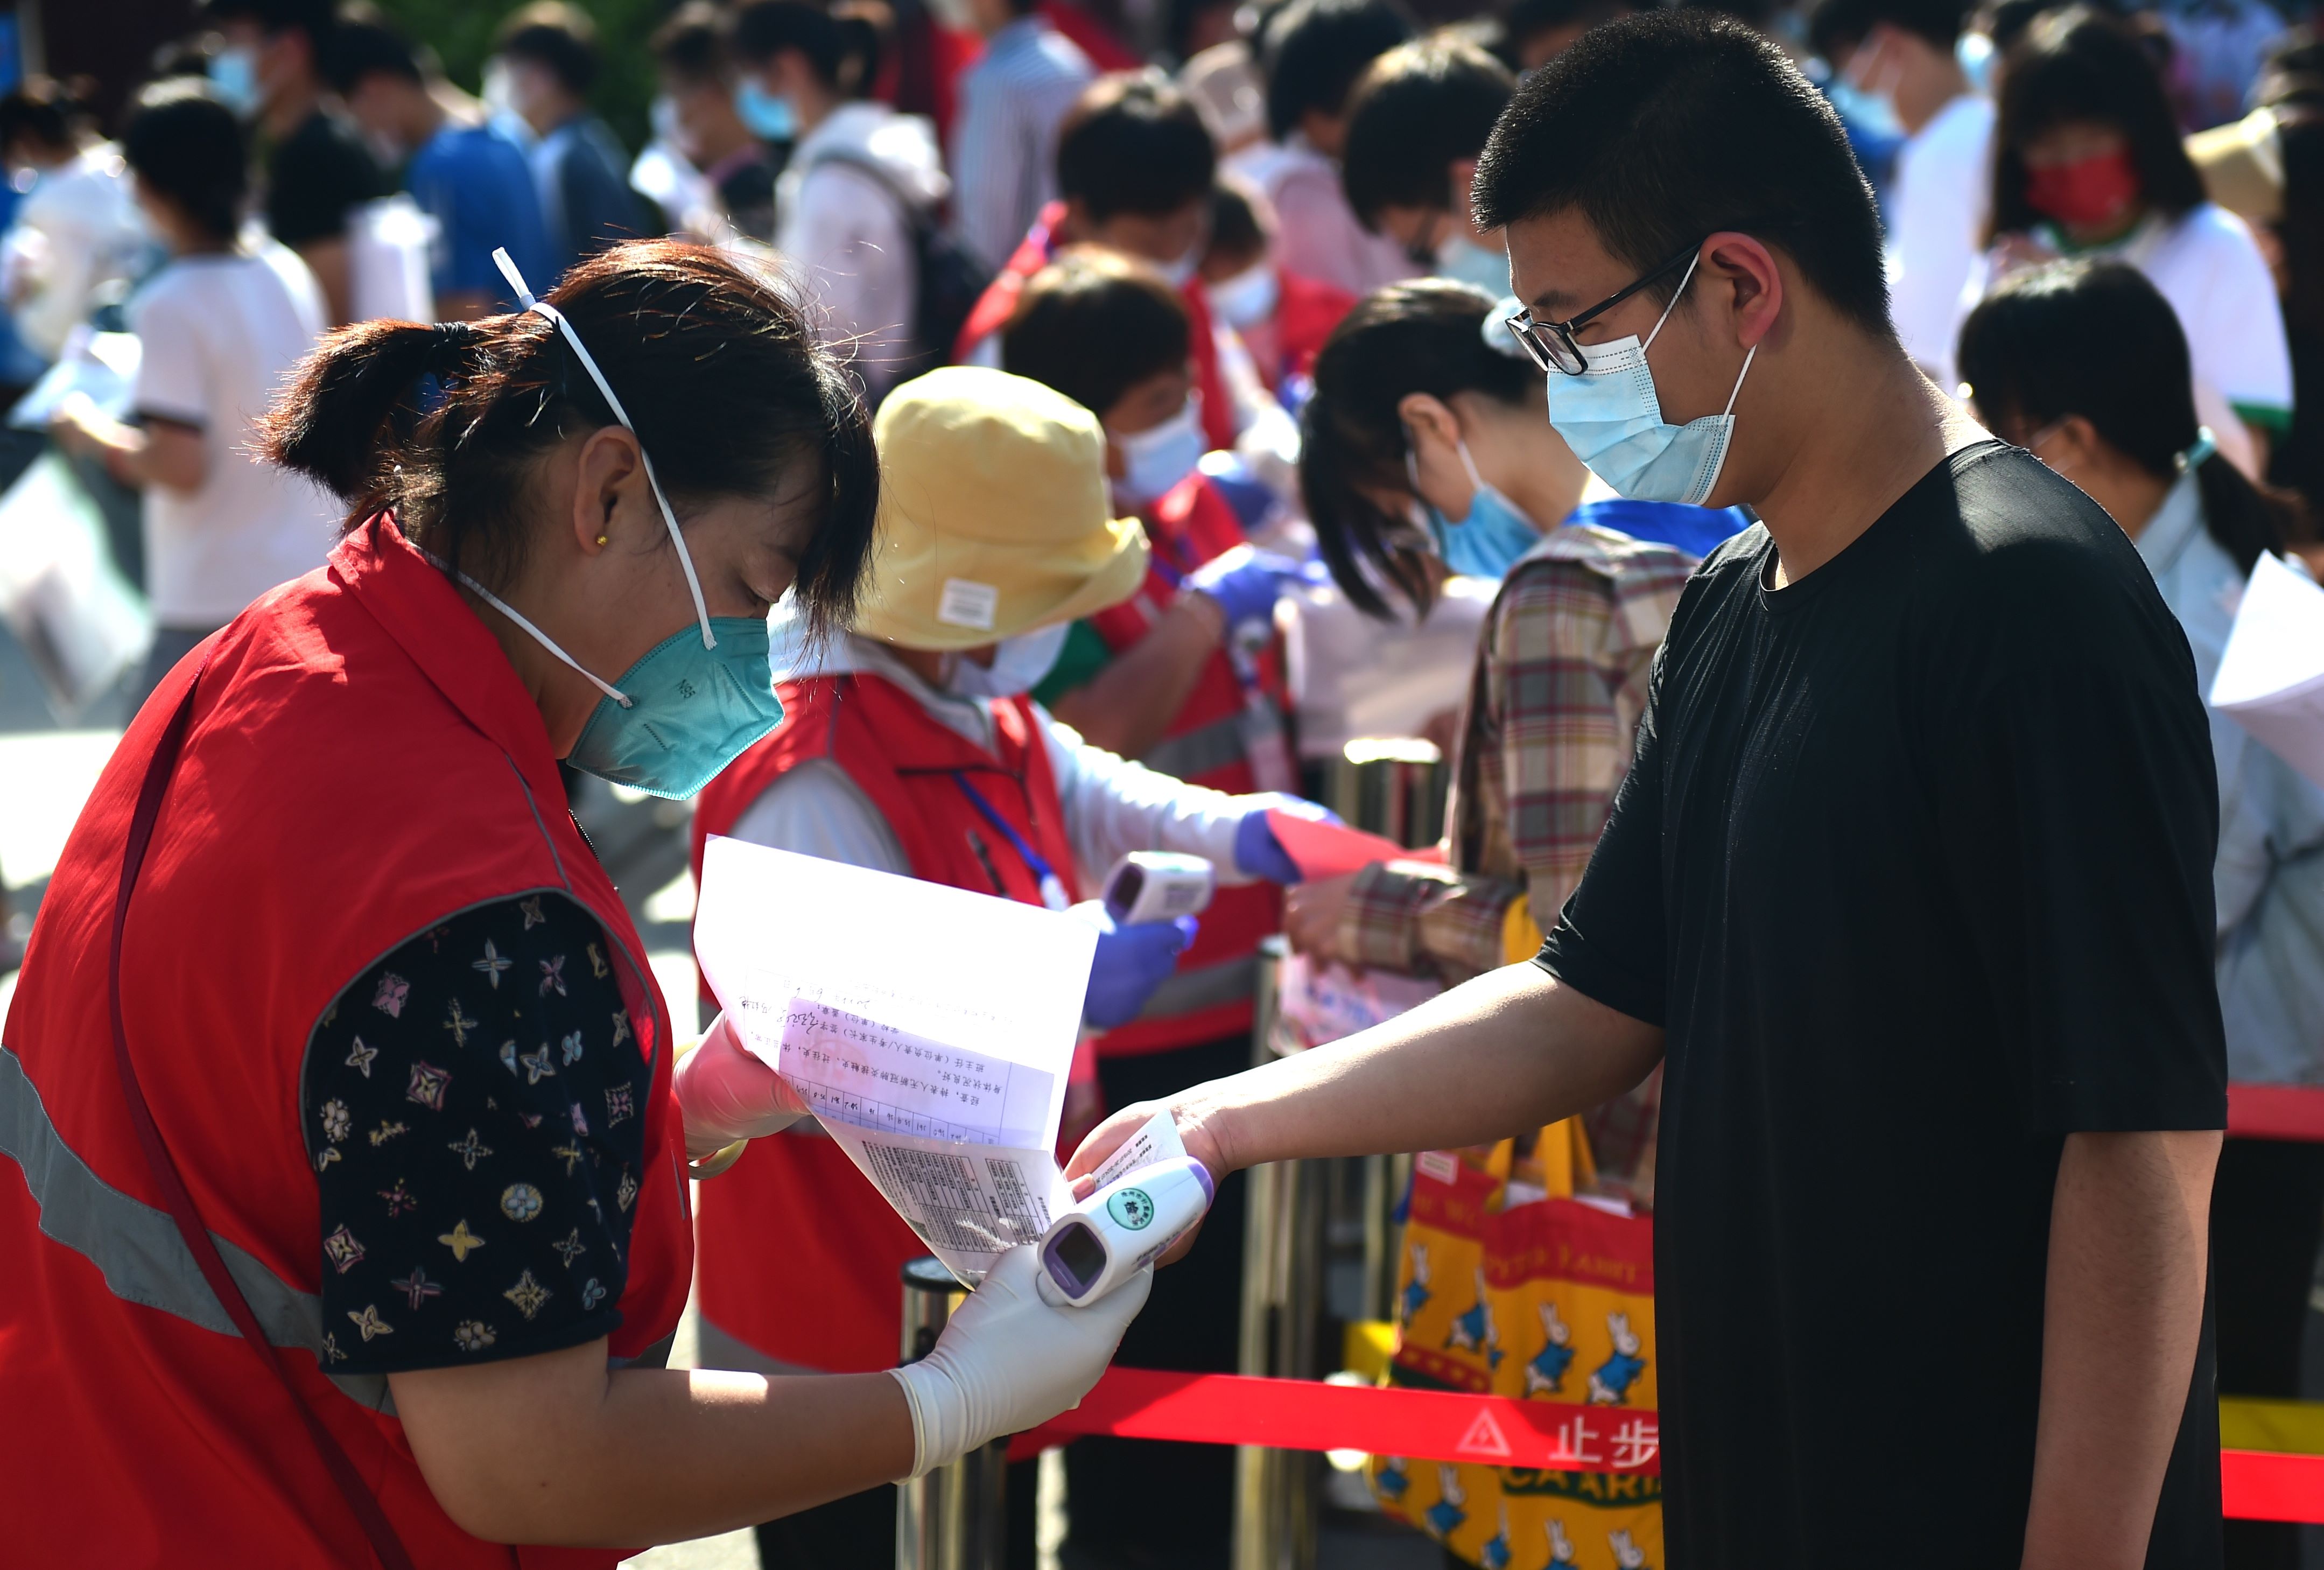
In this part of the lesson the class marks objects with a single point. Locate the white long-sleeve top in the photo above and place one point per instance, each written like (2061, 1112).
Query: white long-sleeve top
(1112, 806)
(843, 229)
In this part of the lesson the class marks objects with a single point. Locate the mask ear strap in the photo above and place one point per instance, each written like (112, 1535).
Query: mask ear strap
(540, 637)
(1666, 310)
(1737, 392)
(525, 301)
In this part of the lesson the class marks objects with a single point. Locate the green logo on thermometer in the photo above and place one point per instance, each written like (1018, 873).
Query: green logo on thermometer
(1133, 1208)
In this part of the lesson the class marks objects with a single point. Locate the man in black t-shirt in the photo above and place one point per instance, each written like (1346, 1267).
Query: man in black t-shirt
(315, 168)
(1908, 887)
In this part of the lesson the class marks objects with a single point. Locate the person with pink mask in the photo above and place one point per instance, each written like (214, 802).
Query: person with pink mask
(2088, 162)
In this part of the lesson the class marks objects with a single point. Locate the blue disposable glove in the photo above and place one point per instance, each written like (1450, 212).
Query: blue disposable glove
(1247, 582)
(1131, 961)
(1257, 852)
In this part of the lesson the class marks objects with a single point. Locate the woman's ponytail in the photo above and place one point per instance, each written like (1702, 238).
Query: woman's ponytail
(348, 413)
(2248, 520)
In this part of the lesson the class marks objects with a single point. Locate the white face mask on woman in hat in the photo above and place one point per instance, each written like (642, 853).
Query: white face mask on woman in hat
(1018, 664)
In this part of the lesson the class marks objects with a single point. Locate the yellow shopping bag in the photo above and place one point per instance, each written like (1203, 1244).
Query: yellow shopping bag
(1508, 1285)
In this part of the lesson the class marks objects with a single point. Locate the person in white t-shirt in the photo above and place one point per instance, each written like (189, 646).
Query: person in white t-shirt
(76, 231)
(2088, 162)
(1903, 53)
(221, 326)
(860, 180)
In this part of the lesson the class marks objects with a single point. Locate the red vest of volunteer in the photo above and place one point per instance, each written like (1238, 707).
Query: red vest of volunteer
(994, 307)
(362, 761)
(1209, 995)
(799, 1253)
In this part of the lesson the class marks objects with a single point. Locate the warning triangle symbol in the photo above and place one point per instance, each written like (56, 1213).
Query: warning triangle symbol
(1485, 1438)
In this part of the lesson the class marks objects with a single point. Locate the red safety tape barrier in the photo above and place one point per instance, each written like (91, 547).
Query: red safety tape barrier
(2276, 1111)
(1136, 1403)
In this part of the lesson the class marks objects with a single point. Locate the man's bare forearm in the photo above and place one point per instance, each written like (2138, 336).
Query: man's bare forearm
(2129, 1231)
(1511, 1050)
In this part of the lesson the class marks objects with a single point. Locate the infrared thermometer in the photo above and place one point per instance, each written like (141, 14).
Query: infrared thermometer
(1158, 886)
(1121, 1229)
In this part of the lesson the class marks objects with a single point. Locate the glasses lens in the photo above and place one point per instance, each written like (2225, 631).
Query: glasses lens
(1528, 339)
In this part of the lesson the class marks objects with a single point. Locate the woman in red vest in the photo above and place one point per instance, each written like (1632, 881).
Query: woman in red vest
(334, 1035)
(910, 747)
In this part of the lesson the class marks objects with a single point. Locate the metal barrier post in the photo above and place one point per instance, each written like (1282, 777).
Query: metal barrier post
(1275, 1490)
(954, 1518)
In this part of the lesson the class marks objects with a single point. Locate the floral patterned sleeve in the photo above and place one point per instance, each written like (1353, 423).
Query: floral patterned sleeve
(473, 1106)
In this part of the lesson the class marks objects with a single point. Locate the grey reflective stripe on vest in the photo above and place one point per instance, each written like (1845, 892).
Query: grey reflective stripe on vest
(1187, 992)
(1199, 751)
(137, 1246)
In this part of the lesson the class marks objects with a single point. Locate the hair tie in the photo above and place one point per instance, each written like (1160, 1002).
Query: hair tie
(2207, 446)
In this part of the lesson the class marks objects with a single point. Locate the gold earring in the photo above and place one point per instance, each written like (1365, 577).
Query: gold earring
(601, 540)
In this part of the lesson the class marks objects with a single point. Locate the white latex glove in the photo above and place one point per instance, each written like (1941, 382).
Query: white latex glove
(727, 1095)
(1008, 1361)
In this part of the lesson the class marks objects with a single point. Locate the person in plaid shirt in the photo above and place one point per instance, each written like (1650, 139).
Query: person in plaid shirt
(1415, 388)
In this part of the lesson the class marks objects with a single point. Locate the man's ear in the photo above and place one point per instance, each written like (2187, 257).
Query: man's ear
(1752, 295)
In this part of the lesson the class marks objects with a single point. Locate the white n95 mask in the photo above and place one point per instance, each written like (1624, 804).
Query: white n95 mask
(1611, 419)
(1020, 664)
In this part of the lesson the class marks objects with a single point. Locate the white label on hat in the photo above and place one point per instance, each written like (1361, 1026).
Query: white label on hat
(964, 603)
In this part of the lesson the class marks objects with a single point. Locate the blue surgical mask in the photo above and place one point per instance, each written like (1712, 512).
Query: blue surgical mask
(769, 115)
(234, 77)
(1020, 664)
(1492, 538)
(1155, 461)
(698, 699)
(1611, 419)
(1464, 261)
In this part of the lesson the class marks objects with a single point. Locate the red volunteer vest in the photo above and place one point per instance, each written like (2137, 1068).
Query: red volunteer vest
(798, 1252)
(362, 762)
(994, 307)
(1210, 995)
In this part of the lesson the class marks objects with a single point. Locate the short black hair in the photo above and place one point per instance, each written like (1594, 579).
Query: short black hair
(2098, 339)
(841, 43)
(1093, 325)
(555, 35)
(2081, 64)
(1237, 231)
(1668, 126)
(1418, 109)
(38, 109)
(185, 145)
(1524, 18)
(691, 44)
(1133, 142)
(365, 46)
(1848, 23)
(1312, 50)
(315, 18)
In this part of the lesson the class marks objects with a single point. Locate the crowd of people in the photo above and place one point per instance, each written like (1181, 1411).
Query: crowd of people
(1011, 378)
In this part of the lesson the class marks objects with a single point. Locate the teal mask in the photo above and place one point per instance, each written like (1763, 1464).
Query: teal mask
(698, 699)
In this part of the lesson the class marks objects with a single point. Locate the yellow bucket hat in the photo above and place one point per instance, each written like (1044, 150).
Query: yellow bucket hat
(994, 517)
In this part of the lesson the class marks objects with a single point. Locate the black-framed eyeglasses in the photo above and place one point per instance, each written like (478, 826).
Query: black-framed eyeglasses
(1551, 345)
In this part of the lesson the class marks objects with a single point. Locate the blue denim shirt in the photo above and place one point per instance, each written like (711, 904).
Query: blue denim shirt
(2268, 874)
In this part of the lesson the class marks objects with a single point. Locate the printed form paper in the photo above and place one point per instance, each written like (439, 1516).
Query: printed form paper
(930, 1029)
(2270, 678)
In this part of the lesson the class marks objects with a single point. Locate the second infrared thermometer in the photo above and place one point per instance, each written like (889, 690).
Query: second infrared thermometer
(1121, 1229)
